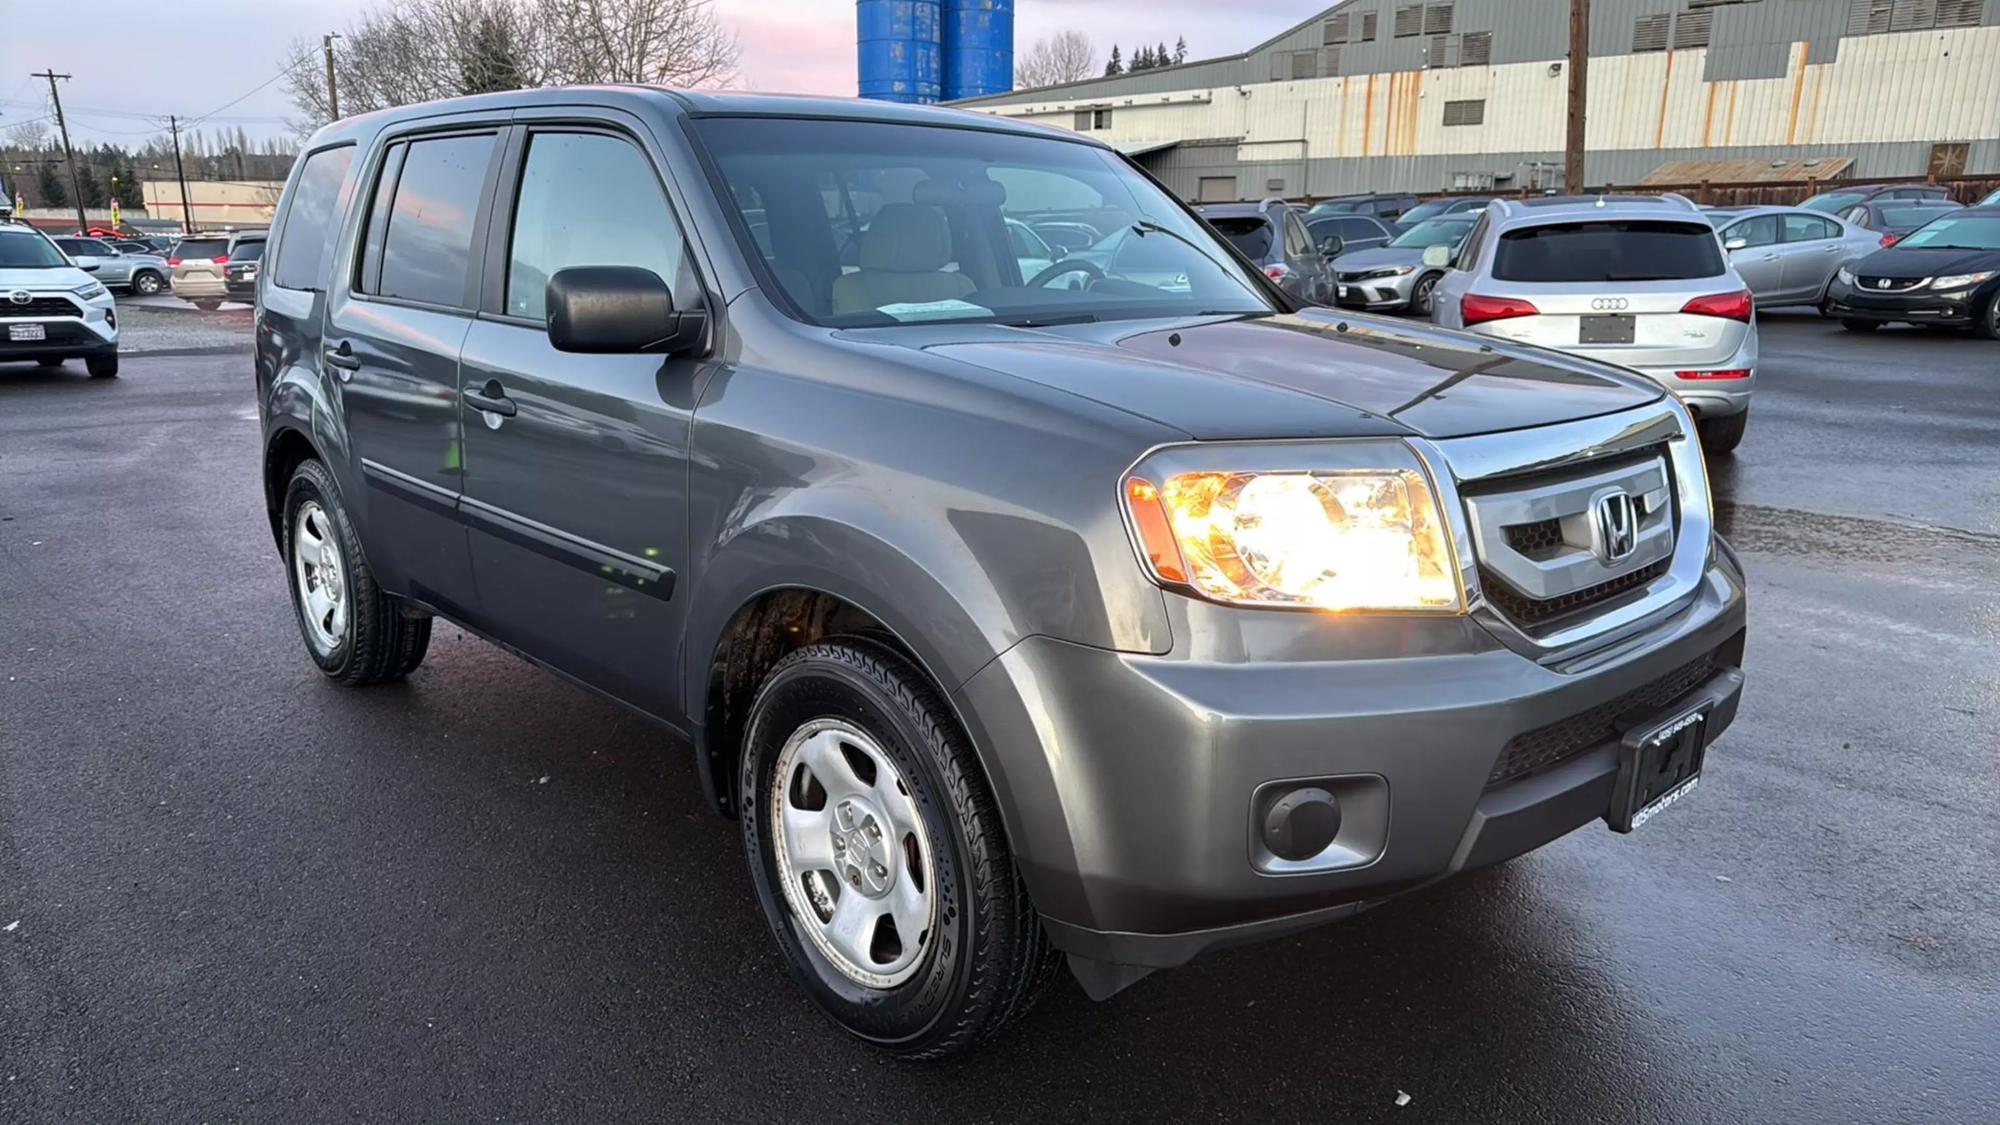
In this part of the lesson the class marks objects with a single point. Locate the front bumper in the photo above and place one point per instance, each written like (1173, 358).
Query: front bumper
(1958, 307)
(1129, 780)
(92, 331)
(1377, 294)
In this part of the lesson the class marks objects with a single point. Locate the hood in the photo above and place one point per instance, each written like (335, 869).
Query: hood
(1378, 257)
(1310, 374)
(39, 280)
(1925, 261)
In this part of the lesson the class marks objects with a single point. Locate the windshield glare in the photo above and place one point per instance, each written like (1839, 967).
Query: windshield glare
(1436, 232)
(1958, 233)
(869, 223)
(29, 252)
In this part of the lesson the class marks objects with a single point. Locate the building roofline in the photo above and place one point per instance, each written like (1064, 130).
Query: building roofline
(1237, 57)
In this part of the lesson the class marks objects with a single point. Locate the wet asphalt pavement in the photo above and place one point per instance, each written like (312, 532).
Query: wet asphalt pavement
(232, 892)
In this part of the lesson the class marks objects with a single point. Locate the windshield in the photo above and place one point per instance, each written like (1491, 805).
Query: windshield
(1424, 211)
(29, 252)
(1981, 232)
(1337, 207)
(1437, 232)
(1831, 201)
(1619, 250)
(870, 223)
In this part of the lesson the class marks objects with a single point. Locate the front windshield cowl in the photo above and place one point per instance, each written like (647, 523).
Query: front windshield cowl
(868, 223)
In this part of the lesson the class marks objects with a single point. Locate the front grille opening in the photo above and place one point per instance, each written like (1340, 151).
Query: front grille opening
(1546, 747)
(40, 307)
(1538, 540)
(1529, 611)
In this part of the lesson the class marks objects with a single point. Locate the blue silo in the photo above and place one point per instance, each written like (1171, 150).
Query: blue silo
(978, 48)
(900, 54)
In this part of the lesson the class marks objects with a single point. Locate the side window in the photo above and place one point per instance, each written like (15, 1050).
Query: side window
(94, 246)
(1808, 228)
(427, 247)
(1296, 242)
(627, 221)
(1761, 230)
(313, 208)
(1475, 239)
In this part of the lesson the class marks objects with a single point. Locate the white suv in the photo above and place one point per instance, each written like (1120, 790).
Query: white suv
(1637, 281)
(51, 310)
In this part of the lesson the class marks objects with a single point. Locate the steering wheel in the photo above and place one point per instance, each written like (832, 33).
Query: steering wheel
(1066, 266)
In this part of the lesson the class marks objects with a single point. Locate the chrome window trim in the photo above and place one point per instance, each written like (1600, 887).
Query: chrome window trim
(1455, 462)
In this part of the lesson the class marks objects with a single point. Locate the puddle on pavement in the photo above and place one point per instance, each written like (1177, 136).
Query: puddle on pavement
(1786, 531)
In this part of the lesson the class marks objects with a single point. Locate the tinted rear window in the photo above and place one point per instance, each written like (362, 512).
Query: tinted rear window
(1251, 234)
(1627, 250)
(247, 251)
(428, 252)
(202, 248)
(314, 203)
(1910, 218)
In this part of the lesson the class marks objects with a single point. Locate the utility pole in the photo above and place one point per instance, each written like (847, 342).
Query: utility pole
(180, 173)
(332, 88)
(1579, 85)
(75, 182)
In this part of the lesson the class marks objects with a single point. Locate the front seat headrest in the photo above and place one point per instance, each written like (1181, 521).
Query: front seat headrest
(906, 238)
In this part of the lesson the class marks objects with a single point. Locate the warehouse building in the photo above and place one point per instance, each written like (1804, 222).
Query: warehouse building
(1400, 95)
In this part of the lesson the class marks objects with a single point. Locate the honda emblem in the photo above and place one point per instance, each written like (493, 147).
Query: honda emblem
(1614, 525)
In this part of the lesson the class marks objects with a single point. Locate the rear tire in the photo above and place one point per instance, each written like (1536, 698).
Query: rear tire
(102, 366)
(206, 305)
(983, 960)
(354, 632)
(146, 283)
(1853, 325)
(1724, 434)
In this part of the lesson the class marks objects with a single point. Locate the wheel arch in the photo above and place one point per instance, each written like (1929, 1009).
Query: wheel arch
(285, 450)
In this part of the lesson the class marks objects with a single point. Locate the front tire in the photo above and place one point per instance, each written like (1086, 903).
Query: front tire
(865, 813)
(1420, 296)
(355, 633)
(146, 283)
(1864, 326)
(49, 362)
(1724, 434)
(102, 366)
(1989, 324)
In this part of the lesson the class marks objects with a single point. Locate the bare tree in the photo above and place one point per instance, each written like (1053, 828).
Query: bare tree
(1066, 56)
(420, 50)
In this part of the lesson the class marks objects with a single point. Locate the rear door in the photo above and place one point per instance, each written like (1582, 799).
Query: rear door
(1811, 252)
(576, 496)
(392, 341)
(1614, 290)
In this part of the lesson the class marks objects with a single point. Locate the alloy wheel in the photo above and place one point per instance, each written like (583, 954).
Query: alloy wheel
(320, 575)
(852, 854)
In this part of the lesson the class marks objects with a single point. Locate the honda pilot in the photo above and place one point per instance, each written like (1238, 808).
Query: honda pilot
(1089, 615)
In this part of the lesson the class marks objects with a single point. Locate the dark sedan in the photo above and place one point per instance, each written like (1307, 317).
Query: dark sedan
(1946, 273)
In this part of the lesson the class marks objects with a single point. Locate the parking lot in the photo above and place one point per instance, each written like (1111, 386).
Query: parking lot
(232, 891)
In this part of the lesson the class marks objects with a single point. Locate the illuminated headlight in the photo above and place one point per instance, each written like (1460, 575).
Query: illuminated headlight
(1327, 537)
(1846, 276)
(1961, 280)
(1391, 271)
(91, 290)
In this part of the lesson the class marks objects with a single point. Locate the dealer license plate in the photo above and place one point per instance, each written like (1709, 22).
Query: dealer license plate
(27, 332)
(1658, 764)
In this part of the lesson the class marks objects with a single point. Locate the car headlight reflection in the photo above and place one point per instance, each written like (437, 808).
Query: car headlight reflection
(1334, 540)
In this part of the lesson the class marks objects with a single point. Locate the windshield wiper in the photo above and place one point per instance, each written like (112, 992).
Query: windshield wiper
(1144, 227)
(1050, 320)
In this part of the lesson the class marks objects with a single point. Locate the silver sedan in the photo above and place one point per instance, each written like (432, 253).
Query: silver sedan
(1787, 255)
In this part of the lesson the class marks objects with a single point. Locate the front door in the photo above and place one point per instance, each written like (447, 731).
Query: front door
(1757, 262)
(392, 341)
(576, 489)
(1812, 253)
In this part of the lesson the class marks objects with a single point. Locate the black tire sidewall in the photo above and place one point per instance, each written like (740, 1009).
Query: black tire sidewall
(798, 692)
(311, 481)
(1424, 294)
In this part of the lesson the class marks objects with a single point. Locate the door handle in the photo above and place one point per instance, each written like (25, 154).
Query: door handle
(343, 357)
(491, 399)
(1768, 258)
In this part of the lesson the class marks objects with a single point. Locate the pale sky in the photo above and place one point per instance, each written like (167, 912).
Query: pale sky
(144, 59)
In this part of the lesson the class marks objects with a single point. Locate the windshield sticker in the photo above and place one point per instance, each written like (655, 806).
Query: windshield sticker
(933, 310)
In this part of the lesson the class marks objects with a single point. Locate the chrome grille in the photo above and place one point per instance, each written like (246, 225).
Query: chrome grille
(1547, 552)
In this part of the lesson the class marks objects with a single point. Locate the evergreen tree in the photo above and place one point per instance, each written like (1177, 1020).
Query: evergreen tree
(1142, 59)
(49, 185)
(87, 183)
(493, 62)
(1161, 57)
(1180, 50)
(1116, 65)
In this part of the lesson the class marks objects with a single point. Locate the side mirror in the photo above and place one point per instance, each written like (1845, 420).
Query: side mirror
(87, 264)
(1437, 256)
(1736, 244)
(1332, 246)
(618, 309)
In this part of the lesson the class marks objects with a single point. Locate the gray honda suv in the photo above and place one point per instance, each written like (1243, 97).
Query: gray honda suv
(1094, 618)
